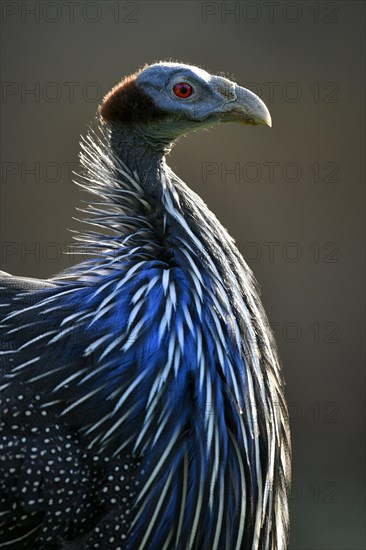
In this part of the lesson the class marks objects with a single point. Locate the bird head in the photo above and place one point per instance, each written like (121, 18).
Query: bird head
(170, 99)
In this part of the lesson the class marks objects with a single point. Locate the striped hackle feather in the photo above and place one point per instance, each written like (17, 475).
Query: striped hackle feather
(183, 368)
(158, 349)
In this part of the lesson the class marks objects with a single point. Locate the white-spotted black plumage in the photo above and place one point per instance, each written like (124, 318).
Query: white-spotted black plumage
(142, 400)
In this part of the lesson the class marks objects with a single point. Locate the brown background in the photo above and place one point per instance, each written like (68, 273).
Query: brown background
(301, 230)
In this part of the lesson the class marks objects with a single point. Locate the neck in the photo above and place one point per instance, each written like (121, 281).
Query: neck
(141, 151)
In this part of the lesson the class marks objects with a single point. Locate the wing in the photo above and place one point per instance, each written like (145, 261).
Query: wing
(15, 293)
(53, 485)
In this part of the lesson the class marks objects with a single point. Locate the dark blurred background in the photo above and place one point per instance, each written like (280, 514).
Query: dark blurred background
(291, 196)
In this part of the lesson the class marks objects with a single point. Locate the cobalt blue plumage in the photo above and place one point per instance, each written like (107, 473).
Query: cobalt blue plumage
(153, 358)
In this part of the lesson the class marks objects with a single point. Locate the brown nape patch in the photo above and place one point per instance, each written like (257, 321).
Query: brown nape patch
(128, 104)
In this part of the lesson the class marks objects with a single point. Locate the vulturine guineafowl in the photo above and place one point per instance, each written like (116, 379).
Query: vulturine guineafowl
(142, 402)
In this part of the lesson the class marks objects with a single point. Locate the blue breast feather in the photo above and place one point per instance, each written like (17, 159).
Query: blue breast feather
(159, 347)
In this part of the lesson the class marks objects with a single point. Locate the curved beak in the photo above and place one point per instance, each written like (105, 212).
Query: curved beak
(247, 108)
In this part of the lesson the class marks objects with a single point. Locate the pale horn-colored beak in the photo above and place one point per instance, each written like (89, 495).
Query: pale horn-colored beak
(248, 108)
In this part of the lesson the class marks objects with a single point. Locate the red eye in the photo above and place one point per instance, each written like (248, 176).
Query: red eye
(182, 89)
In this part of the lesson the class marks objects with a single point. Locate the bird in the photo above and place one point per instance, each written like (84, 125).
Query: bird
(142, 397)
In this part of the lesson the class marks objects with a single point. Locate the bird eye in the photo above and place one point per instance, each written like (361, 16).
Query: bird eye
(182, 89)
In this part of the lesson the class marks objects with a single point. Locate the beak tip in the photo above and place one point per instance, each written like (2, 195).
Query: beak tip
(261, 114)
(267, 119)
(264, 120)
